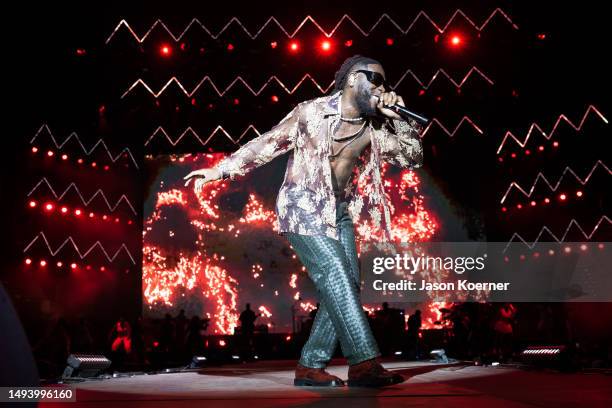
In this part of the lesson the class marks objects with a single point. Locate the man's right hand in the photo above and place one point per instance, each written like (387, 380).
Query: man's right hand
(202, 177)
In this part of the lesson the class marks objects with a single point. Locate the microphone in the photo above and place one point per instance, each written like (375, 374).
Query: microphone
(405, 113)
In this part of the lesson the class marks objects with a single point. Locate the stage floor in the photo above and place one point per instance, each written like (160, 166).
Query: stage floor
(270, 384)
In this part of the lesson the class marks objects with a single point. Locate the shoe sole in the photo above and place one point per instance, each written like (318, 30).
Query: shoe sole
(376, 383)
(300, 382)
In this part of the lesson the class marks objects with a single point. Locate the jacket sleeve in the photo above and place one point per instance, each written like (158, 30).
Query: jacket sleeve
(400, 143)
(278, 140)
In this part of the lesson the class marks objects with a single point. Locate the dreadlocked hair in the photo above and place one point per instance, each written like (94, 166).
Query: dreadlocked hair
(345, 69)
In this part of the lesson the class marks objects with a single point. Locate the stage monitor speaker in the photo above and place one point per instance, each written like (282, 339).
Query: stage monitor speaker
(558, 356)
(439, 356)
(82, 365)
(197, 362)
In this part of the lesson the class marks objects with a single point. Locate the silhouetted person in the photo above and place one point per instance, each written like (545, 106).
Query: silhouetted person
(53, 348)
(138, 344)
(180, 330)
(412, 335)
(247, 321)
(166, 333)
(194, 335)
(247, 327)
(504, 330)
(82, 340)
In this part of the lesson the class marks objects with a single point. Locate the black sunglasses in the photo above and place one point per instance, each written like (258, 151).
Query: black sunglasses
(376, 78)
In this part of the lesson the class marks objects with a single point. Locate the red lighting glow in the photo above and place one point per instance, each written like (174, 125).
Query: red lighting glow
(49, 207)
(43, 263)
(34, 149)
(562, 197)
(294, 46)
(165, 50)
(73, 265)
(326, 45)
(32, 204)
(456, 41)
(28, 261)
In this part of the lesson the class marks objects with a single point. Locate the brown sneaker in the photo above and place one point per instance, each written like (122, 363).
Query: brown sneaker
(371, 373)
(315, 377)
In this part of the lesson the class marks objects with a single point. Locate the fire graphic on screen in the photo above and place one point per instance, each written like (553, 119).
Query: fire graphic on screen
(188, 239)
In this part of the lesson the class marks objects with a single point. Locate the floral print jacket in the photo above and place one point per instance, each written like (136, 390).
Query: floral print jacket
(306, 203)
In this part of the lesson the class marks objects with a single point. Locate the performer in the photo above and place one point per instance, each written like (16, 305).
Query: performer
(334, 140)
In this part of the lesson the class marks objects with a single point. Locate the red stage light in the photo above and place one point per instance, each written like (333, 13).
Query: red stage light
(274, 98)
(222, 343)
(43, 263)
(93, 164)
(59, 264)
(165, 50)
(390, 41)
(533, 203)
(236, 101)
(32, 204)
(102, 268)
(28, 261)
(104, 217)
(456, 40)
(504, 209)
(106, 167)
(326, 45)
(64, 157)
(73, 265)
(519, 206)
(527, 152)
(50, 153)
(34, 149)
(541, 148)
(80, 161)
(77, 212)
(49, 207)
(294, 46)
(64, 210)
(562, 197)
(230, 47)
(513, 155)
(91, 215)
(556, 144)
(273, 44)
(547, 200)
(348, 43)
(579, 193)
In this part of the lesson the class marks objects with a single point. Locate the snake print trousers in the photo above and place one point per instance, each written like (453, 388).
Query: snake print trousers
(333, 267)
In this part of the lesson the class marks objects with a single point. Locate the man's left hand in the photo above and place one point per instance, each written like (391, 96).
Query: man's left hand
(389, 99)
